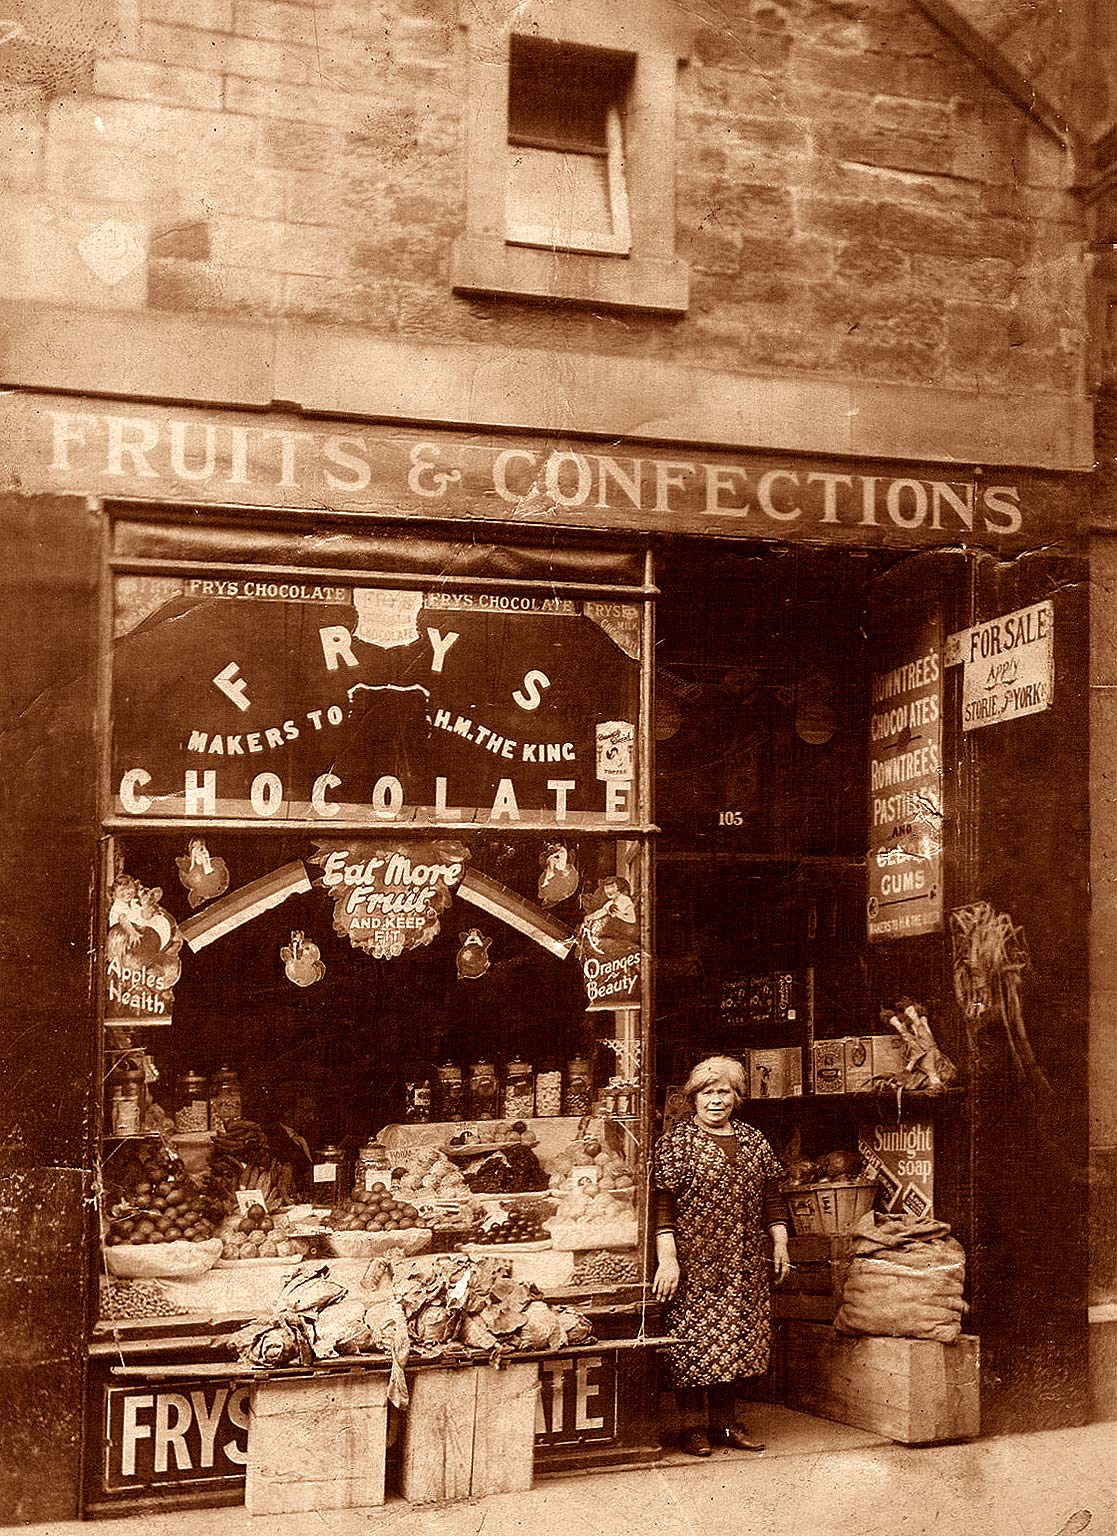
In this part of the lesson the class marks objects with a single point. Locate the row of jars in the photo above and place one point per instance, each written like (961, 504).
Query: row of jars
(485, 1092)
(203, 1104)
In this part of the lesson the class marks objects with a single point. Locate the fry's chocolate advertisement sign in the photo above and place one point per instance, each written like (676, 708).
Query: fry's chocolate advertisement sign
(298, 701)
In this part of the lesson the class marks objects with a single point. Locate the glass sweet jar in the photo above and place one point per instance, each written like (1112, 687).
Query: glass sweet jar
(519, 1090)
(484, 1091)
(579, 1088)
(191, 1104)
(225, 1101)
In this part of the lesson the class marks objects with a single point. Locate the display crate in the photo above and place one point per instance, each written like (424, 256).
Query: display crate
(317, 1443)
(469, 1432)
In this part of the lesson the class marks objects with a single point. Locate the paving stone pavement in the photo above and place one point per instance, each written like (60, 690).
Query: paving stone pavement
(814, 1480)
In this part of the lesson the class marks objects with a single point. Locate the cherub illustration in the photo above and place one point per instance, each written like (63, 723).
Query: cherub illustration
(559, 878)
(203, 876)
(135, 911)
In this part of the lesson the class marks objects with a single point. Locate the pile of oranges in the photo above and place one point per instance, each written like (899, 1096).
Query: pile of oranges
(373, 1210)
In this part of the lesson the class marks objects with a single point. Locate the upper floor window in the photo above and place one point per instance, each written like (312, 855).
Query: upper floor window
(570, 152)
(565, 186)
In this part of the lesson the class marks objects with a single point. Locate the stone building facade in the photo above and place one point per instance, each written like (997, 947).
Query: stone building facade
(870, 230)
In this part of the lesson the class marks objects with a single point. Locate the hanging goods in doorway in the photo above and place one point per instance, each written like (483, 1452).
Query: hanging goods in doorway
(925, 1066)
(990, 955)
(302, 960)
(202, 875)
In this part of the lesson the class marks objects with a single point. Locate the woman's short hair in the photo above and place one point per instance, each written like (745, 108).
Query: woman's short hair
(710, 1069)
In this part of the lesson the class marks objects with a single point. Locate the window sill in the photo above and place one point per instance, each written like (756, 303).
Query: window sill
(489, 265)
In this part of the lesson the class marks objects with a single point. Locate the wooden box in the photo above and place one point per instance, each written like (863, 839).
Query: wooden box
(317, 1443)
(469, 1432)
(912, 1390)
(813, 1290)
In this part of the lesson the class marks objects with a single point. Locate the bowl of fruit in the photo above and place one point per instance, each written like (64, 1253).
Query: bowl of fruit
(256, 1235)
(160, 1221)
(374, 1221)
(519, 1229)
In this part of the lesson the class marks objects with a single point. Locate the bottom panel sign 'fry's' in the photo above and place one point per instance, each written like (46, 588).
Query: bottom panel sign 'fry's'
(902, 1156)
(175, 1433)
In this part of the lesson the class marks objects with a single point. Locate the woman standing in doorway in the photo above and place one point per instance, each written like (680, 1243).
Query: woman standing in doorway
(716, 1190)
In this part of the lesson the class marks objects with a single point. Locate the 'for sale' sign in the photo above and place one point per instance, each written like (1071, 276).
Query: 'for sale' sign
(1008, 666)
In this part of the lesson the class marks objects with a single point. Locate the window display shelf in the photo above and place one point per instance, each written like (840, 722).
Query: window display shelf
(885, 1099)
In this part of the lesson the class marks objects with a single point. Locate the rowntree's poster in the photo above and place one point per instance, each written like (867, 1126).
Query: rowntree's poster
(905, 895)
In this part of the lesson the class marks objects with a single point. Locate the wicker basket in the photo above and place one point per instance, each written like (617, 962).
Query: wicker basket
(832, 1208)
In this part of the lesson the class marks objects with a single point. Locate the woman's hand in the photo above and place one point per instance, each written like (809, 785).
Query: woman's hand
(665, 1282)
(781, 1259)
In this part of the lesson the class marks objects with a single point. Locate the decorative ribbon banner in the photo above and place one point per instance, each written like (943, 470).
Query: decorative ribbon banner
(243, 905)
(519, 913)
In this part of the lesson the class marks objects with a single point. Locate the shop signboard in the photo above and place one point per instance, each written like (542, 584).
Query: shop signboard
(902, 1156)
(243, 458)
(905, 891)
(174, 1433)
(262, 701)
(577, 1401)
(1008, 666)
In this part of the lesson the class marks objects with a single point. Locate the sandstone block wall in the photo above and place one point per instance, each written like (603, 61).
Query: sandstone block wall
(854, 197)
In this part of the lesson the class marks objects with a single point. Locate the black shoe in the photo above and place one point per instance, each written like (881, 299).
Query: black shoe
(695, 1442)
(739, 1439)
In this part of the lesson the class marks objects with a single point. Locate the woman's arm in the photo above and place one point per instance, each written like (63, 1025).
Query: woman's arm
(666, 1279)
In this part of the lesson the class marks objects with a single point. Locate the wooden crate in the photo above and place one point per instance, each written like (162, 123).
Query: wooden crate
(316, 1443)
(813, 1290)
(912, 1390)
(469, 1432)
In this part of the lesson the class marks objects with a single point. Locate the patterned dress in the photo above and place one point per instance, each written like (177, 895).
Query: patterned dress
(722, 1308)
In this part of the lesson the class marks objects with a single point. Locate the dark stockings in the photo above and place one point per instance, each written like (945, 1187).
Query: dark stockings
(714, 1408)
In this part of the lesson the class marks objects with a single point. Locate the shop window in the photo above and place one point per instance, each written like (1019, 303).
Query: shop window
(565, 183)
(571, 156)
(366, 951)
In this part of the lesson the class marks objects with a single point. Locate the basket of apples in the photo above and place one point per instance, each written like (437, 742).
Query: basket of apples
(374, 1221)
(160, 1222)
